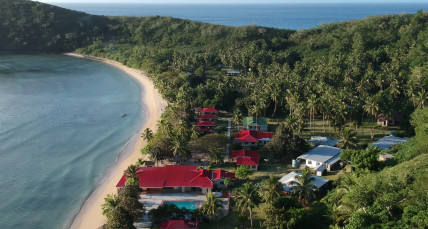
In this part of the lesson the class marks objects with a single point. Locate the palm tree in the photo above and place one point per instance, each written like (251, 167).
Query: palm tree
(217, 156)
(179, 146)
(147, 134)
(131, 172)
(237, 117)
(371, 108)
(211, 206)
(270, 189)
(312, 105)
(291, 123)
(247, 198)
(420, 99)
(349, 139)
(303, 188)
(111, 201)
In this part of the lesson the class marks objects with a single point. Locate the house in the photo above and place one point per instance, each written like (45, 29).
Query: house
(233, 73)
(206, 117)
(319, 182)
(327, 156)
(393, 120)
(388, 141)
(179, 178)
(179, 224)
(246, 157)
(253, 124)
(320, 140)
(205, 126)
(208, 110)
(252, 138)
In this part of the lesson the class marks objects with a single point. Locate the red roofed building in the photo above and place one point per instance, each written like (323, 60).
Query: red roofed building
(253, 138)
(207, 117)
(246, 157)
(178, 177)
(179, 224)
(393, 120)
(208, 110)
(205, 126)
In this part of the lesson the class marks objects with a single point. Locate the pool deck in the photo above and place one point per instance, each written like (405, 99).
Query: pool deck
(154, 200)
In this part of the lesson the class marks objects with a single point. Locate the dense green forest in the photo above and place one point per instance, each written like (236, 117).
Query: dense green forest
(343, 72)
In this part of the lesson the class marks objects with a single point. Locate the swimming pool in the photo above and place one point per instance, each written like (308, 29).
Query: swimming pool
(191, 205)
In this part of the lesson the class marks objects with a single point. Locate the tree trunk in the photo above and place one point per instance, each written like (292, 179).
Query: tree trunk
(274, 110)
(323, 121)
(251, 218)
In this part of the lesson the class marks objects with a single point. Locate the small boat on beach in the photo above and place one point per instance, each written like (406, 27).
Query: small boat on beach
(123, 115)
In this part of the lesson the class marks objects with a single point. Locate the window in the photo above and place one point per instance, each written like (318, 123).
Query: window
(309, 162)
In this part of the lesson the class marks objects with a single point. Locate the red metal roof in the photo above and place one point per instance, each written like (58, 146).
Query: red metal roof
(245, 136)
(252, 136)
(261, 135)
(246, 157)
(208, 110)
(178, 224)
(207, 116)
(174, 176)
(245, 153)
(205, 123)
(221, 174)
(247, 161)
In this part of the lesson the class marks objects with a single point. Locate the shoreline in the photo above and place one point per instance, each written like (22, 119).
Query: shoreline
(90, 214)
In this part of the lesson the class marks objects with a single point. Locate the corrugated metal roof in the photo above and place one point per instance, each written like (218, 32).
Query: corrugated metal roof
(321, 154)
(320, 140)
(285, 180)
(250, 121)
(388, 141)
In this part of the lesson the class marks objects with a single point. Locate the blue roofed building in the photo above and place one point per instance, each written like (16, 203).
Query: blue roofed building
(388, 141)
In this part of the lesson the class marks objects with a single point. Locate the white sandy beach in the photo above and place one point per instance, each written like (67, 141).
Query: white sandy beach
(90, 216)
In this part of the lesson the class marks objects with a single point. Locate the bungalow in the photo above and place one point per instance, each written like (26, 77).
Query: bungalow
(184, 178)
(246, 157)
(205, 126)
(388, 141)
(252, 138)
(394, 120)
(319, 182)
(322, 155)
(208, 110)
(259, 124)
(179, 224)
(206, 117)
(320, 140)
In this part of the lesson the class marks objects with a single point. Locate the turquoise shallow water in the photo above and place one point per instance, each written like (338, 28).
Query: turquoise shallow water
(60, 131)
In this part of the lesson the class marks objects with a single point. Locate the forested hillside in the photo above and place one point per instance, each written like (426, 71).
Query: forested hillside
(28, 27)
(345, 73)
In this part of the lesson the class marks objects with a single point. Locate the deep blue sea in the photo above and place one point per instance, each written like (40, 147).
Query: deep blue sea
(60, 131)
(286, 16)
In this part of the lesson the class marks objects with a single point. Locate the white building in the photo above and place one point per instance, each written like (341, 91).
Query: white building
(286, 180)
(327, 156)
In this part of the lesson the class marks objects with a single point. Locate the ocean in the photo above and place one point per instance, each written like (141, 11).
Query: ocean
(284, 16)
(60, 117)
(60, 131)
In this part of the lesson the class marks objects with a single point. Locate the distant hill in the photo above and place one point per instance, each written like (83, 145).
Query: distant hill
(27, 26)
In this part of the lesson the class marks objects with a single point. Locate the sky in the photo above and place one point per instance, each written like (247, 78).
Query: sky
(229, 1)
